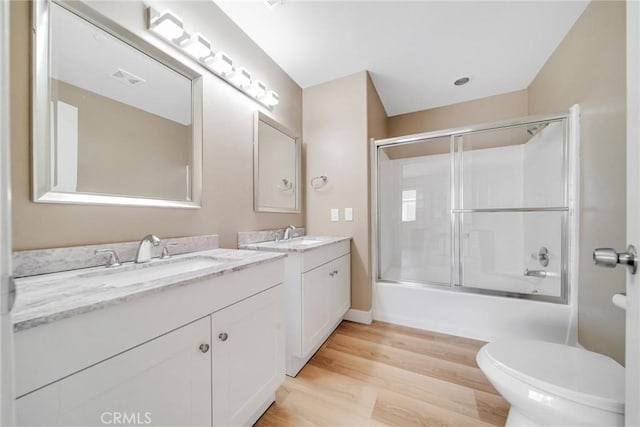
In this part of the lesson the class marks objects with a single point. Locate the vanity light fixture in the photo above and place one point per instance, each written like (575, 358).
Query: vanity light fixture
(168, 26)
(220, 63)
(240, 77)
(257, 89)
(197, 46)
(270, 98)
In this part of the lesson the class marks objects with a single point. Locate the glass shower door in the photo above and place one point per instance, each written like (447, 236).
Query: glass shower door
(479, 211)
(512, 252)
(414, 201)
(510, 210)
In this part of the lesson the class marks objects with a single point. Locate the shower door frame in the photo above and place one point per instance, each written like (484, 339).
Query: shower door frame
(569, 212)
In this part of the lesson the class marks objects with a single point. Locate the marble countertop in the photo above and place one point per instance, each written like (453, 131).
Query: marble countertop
(295, 245)
(49, 297)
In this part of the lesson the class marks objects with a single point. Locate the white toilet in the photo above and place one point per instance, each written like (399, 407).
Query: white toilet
(551, 384)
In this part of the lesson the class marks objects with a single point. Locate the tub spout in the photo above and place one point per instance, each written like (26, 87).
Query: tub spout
(535, 273)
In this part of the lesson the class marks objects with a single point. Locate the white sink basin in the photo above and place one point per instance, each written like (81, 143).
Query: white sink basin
(295, 242)
(149, 272)
(306, 242)
(302, 241)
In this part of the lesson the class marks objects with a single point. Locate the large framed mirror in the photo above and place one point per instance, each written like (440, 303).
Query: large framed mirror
(115, 120)
(276, 167)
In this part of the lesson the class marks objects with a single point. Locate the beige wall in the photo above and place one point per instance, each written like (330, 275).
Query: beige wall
(377, 128)
(588, 68)
(122, 149)
(335, 141)
(227, 202)
(484, 110)
(377, 120)
(340, 117)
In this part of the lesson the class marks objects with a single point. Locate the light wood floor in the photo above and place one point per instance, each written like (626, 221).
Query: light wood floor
(384, 374)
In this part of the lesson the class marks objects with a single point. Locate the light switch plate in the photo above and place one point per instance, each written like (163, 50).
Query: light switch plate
(348, 214)
(335, 214)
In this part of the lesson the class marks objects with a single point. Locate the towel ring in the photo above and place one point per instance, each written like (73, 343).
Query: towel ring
(319, 181)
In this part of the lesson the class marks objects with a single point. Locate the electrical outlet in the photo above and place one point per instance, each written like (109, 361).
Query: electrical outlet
(335, 214)
(348, 214)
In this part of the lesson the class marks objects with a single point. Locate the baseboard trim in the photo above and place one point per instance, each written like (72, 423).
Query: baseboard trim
(359, 316)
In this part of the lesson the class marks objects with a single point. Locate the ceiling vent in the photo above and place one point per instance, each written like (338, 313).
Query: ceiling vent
(127, 78)
(273, 3)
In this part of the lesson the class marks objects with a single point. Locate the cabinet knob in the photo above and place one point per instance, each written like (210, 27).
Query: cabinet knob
(204, 348)
(222, 336)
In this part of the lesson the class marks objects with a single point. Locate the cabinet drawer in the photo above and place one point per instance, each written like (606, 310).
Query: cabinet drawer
(317, 257)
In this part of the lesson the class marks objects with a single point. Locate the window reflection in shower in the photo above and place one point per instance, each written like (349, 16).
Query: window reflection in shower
(484, 210)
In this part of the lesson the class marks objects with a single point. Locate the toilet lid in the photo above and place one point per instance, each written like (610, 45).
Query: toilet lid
(570, 372)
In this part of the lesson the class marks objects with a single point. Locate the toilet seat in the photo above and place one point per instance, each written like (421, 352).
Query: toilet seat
(569, 372)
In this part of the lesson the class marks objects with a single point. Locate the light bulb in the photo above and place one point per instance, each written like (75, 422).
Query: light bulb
(270, 98)
(221, 63)
(257, 89)
(167, 25)
(240, 77)
(197, 46)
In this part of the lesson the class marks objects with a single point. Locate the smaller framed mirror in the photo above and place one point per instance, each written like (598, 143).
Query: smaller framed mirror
(276, 167)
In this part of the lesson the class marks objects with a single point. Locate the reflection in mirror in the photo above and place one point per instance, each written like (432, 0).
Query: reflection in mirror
(124, 127)
(276, 167)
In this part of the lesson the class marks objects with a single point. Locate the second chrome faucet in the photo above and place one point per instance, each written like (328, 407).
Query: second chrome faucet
(288, 232)
(144, 248)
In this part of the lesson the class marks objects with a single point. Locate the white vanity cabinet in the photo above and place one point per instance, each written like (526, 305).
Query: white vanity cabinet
(222, 368)
(341, 286)
(166, 381)
(318, 294)
(248, 357)
(326, 297)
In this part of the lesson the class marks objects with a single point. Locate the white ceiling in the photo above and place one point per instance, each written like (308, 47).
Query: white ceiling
(85, 56)
(414, 50)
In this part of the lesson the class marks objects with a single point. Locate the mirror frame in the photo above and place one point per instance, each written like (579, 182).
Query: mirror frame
(261, 117)
(41, 111)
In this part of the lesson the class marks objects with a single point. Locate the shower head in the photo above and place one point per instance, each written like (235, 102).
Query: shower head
(533, 130)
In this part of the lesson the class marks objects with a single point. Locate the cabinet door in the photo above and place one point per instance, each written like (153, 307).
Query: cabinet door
(316, 305)
(248, 356)
(166, 381)
(341, 287)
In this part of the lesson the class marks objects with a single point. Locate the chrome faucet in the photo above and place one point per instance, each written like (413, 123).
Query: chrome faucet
(114, 260)
(288, 232)
(144, 248)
